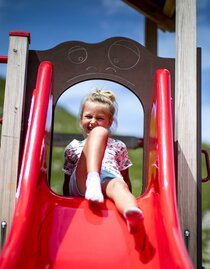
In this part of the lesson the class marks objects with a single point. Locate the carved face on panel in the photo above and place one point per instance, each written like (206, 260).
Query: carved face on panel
(121, 55)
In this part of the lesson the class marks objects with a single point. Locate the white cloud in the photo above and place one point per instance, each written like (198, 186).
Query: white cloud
(113, 6)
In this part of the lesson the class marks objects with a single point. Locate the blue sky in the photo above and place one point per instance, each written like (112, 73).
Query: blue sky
(52, 22)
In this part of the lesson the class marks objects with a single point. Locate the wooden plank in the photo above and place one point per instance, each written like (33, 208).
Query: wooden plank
(11, 127)
(186, 123)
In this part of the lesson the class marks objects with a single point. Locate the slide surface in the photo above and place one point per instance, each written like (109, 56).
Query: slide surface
(52, 231)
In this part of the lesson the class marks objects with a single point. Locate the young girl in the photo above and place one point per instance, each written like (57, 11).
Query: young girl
(98, 165)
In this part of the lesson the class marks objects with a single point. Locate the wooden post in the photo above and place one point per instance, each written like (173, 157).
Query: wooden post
(186, 124)
(151, 35)
(12, 119)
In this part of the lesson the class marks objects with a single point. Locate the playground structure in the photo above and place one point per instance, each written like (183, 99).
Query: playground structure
(186, 97)
(48, 228)
(186, 102)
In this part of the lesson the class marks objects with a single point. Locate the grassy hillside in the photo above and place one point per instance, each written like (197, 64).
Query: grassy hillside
(65, 122)
(205, 186)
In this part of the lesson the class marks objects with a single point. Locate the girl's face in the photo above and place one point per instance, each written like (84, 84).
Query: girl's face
(95, 114)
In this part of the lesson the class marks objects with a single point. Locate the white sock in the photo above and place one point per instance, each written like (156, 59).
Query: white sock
(133, 216)
(93, 188)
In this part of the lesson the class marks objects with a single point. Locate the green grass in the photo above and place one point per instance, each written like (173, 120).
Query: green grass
(135, 171)
(64, 122)
(205, 186)
(205, 207)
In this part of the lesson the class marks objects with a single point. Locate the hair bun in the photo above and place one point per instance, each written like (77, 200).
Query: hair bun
(106, 93)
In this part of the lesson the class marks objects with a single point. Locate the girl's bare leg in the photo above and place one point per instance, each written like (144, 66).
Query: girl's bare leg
(89, 165)
(118, 191)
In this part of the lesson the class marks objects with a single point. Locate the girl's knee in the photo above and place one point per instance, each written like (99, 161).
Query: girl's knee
(99, 131)
(116, 185)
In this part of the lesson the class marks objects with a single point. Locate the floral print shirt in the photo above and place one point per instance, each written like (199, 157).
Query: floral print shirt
(115, 156)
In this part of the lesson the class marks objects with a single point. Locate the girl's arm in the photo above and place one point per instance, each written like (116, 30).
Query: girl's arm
(125, 174)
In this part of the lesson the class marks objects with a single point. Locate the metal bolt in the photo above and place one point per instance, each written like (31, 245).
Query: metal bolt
(187, 237)
(187, 233)
(3, 232)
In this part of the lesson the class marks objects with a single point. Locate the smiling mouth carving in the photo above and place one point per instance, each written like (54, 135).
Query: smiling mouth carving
(95, 69)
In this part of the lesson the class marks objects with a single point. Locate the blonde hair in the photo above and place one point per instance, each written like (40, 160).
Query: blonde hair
(104, 97)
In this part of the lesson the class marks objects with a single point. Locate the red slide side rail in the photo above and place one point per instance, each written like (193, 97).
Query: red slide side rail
(52, 231)
(166, 172)
(32, 164)
(159, 200)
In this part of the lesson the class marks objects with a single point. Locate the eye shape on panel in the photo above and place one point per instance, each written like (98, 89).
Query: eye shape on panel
(123, 54)
(77, 55)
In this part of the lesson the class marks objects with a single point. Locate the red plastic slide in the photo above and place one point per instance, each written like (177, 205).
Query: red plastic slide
(51, 231)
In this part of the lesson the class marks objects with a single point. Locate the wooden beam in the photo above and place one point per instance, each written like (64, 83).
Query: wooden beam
(11, 127)
(155, 13)
(169, 8)
(186, 124)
